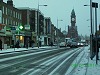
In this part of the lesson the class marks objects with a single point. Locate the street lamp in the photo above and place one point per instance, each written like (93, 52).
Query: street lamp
(58, 33)
(91, 34)
(90, 14)
(95, 5)
(65, 31)
(92, 23)
(38, 22)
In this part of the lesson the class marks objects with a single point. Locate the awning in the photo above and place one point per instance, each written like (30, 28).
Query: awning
(2, 26)
(1, 34)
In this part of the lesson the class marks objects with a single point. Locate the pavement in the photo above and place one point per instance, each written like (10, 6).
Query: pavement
(21, 49)
(83, 65)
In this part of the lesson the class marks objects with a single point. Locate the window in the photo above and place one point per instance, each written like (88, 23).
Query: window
(6, 10)
(6, 21)
(3, 9)
(20, 16)
(14, 14)
(3, 21)
(14, 22)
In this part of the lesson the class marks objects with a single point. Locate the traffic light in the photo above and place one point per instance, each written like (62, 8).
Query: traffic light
(20, 27)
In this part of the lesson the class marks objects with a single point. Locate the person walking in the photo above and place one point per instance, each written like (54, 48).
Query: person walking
(27, 43)
(32, 43)
(17, 44)
(0, 44)
(51, 43)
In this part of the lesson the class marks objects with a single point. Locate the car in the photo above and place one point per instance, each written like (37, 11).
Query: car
(54, 44)
(62, 44)
(80, 44)
(73, 45)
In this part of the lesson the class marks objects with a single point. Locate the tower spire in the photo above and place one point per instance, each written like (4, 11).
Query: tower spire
(73, 12)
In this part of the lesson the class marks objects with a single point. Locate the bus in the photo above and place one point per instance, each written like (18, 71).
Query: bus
(68, 41)
(71, 42)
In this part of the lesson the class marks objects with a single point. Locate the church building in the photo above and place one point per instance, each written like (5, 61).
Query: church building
(72, 30)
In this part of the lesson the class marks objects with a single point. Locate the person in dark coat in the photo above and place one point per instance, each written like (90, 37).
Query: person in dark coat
(51, 43)
(27, 43)
(94, 48)
(32, 43)
(0, 44)
(17, 44)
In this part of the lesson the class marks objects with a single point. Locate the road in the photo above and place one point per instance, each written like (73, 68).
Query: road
(50, 61)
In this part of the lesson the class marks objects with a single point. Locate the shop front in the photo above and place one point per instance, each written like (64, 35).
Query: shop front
(27, 38)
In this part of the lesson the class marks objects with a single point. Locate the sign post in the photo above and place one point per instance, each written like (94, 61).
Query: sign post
(95, 5)
(13, 29)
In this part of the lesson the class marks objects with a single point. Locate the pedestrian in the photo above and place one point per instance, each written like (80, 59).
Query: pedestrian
(98, 49)
(93, 49)
(51, 43)
(32, 43)
(17, 44)
(39, 43)
(0, 44)
(27, 42)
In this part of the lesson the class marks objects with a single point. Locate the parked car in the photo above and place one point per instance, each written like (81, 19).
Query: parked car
(62, 44)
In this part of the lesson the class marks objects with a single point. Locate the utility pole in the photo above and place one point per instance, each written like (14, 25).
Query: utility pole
(38, 23)
(91, 34)
(95, 5)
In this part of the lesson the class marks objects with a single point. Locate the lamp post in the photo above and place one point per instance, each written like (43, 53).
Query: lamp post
(38, 22)
(91, 34)
(57, 33)
(94, 5)
(65, 31)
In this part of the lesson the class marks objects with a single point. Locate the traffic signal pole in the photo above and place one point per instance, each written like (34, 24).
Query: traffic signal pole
(91, 34)
(95, 5)
(96, 32)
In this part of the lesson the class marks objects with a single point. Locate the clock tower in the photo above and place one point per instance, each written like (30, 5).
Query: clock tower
(73, 18)
(72, 30)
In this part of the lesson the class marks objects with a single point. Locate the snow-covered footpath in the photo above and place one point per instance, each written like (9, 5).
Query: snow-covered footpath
(83, 65)
(21, 49)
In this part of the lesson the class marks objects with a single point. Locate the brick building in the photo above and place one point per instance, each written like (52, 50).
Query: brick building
(9, 17)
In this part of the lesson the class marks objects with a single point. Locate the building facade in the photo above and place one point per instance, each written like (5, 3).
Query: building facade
(35, 26)
(48, 24)
(9, 17)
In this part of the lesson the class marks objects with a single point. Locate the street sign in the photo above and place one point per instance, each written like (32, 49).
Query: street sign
(13, 28)
(95, 5)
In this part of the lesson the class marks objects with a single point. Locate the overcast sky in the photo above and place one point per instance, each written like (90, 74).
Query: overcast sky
(61, 9)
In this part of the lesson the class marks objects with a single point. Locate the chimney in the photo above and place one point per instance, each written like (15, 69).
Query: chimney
(60, 29)
(10, 2)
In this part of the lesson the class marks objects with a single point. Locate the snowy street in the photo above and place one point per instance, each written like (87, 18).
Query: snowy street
(48, 61)
(45, 61)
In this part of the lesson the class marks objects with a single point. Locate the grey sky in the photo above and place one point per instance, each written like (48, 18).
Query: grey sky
(61, 9)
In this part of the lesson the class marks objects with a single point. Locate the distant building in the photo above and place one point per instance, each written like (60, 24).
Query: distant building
(72, 30)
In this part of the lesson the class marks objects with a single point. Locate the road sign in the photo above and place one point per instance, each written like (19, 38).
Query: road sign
(13, 28)
(95, 5)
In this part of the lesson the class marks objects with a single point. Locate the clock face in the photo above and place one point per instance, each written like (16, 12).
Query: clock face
(73, 19)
